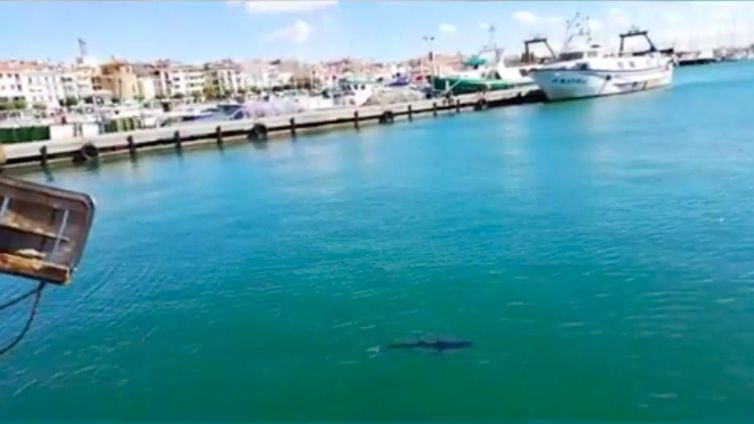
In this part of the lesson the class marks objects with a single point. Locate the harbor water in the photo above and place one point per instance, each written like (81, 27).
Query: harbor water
(598, 253)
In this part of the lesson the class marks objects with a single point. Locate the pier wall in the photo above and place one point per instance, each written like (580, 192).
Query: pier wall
(83, 149)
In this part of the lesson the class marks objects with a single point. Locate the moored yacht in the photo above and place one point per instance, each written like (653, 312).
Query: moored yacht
(583, 70)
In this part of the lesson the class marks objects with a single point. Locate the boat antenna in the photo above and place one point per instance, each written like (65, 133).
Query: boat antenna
(491, 31)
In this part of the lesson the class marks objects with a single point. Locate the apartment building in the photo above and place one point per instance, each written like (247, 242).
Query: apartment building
(178, 80)
(36, 83)
(78, 81)
(225, 77)
(119, 78)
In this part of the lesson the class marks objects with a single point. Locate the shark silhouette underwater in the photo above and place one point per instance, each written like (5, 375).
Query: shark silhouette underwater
(428, 345)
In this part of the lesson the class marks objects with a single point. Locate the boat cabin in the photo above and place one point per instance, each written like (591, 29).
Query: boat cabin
(644, 34)
(530, 57)
(589, 52)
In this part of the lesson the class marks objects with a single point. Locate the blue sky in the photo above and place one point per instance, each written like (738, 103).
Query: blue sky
(197, 31)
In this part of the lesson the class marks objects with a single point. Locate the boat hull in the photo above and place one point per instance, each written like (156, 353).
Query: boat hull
(561, 84)
(467, 85)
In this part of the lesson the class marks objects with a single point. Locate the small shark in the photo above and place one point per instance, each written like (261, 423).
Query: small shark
(437, 345)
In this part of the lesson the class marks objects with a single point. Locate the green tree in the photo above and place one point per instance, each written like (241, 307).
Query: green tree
(39, 106)
(210, 92)
(139, 98)
(69, 101)
(178, 96)
(18, 104)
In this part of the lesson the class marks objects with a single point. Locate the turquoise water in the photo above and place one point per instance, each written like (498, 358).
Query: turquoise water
(600, 255)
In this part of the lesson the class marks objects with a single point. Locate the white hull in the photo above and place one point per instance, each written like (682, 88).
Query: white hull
(561, 84)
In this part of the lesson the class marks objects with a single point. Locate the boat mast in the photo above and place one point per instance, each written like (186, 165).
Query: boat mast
(492, 44)
(575, 27)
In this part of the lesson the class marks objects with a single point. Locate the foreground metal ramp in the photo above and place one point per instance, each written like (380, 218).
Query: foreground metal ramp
(43, 230)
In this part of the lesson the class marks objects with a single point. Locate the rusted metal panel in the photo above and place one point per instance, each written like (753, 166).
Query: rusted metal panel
(43, 230)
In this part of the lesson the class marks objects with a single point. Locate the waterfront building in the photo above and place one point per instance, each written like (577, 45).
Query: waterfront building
(258, 74)
(119, 78)
(78, 81)
(177, 80)
(37, 84)
(224, 78)
(146, 87)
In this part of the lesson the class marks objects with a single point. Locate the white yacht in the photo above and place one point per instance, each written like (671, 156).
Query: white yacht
(583, 70)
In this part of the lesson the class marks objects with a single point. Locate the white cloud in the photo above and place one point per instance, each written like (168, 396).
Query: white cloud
(484, 25)
(447, 28)
(284, 6)
(525, 17)
(298, 32)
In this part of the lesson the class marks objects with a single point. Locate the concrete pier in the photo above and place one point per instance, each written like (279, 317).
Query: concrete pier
(25, 154)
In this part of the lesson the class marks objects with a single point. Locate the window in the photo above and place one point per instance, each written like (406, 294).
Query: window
(631, 63)
(571, 56)
(620, 65)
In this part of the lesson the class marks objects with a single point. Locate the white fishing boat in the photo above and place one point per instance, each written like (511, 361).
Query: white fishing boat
(584, 70)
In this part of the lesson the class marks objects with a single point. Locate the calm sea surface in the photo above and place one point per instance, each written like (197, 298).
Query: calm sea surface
(599, 254)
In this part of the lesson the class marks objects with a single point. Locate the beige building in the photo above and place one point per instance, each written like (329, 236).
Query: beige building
(119, 78)
(225, 78)
(147, 89)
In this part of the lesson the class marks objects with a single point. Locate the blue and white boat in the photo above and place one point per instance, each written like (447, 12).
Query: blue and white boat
(583, 70)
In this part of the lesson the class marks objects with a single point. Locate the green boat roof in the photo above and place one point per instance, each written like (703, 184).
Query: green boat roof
(475, 61)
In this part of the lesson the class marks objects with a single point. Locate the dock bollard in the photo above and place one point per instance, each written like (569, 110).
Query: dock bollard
(458, 105)
(131, 145)
(43, 156)
(356, 119)
(292, 121)
(434, 109)
(177, 139)
(219, 135)
(410, 113)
